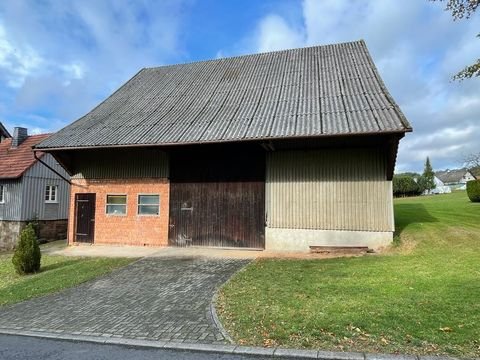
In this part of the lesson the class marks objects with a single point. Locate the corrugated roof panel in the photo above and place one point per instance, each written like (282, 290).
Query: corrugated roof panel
(283, 124)
(308, 124)
(335, 123)
(324, 89)
(332, 104)
(362, 121)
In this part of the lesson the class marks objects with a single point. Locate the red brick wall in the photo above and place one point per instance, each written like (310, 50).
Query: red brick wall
(130, 229)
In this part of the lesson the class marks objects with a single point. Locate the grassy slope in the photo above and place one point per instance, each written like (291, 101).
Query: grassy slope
(422, 296)
(57, 272)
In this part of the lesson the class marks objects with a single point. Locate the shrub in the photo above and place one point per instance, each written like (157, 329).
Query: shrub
(404, 185)
(473, 190)
(27, 256)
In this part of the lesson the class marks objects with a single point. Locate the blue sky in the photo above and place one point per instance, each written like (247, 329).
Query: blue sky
(58, 59)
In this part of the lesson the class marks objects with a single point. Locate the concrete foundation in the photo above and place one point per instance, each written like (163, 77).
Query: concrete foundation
(301, 239)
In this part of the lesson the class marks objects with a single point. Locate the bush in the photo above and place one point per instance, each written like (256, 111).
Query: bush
(404, 185)
(27, 256)
(473, 190)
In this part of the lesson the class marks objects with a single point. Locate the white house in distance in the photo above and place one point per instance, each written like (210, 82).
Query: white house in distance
(453, 179)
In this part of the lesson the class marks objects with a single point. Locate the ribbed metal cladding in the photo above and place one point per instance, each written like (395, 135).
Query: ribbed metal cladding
(25, 197)
(34, 183)
(121, 164)
(12, 208)
(332, 189)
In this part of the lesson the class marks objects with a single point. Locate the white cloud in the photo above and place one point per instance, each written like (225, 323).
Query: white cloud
(276, 34)
(16, 62)
(59, 59)
(417, 47)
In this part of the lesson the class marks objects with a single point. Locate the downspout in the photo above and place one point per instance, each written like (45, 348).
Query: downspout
(49, 167)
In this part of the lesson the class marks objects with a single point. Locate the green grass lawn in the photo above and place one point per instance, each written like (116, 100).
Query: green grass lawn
(422, 296)
(57, 273)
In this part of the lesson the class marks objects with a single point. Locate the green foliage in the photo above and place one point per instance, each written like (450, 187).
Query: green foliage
(36, 225)
(473, 190)
(420, 297)
(428, 182)
(405, 186)
(464, 9)
(27, 256)
(58, 273)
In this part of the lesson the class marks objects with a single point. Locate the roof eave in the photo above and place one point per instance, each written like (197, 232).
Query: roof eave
(379, 133)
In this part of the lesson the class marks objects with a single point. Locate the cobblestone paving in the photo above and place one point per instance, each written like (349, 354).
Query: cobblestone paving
(154, 298)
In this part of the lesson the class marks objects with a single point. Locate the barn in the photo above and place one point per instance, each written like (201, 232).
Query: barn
(281, 151)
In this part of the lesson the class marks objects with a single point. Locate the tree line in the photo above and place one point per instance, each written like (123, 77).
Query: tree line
(413, 184)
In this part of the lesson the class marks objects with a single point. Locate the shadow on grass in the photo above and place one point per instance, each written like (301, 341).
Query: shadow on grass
(59, 265)
(407, 214)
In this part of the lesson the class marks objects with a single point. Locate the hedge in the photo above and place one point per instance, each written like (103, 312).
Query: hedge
(404, 185)
(473, 190)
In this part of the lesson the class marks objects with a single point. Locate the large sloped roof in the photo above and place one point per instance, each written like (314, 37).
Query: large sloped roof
(15, 161)
(307, 92)
(451, 176)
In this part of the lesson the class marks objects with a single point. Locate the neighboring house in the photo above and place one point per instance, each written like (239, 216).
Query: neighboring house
(455, 179)
(29, 190)
(440, 187)
(281, 150)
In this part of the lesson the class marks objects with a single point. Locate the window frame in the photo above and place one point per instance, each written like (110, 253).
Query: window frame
(49, 188)
(138, 204)
(107, 204)
(2, 194)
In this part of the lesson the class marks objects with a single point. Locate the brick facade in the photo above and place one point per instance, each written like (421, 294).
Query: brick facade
(129, 229)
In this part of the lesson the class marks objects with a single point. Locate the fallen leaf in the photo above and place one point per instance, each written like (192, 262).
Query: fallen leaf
(446, 329)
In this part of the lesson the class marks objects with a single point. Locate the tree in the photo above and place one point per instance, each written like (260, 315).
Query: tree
(472, 160)
(27, 256)
(404, 185)
(428, 181)
(464, 9)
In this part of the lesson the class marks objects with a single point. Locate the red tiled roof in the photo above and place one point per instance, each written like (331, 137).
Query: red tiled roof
(14, 162)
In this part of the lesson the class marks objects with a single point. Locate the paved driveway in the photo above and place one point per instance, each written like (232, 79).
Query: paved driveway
(154, 298)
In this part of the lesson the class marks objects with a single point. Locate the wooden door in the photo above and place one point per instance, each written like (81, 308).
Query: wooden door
(84, 217)
(217, 198)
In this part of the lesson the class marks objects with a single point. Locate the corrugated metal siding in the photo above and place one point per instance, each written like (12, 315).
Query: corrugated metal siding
(121, 163)
(35, 181)
(334, 189)
(11, 209)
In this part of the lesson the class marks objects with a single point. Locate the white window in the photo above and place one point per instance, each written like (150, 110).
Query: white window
(2, 194)
(116, 204)
(148, 205)
(51, 193)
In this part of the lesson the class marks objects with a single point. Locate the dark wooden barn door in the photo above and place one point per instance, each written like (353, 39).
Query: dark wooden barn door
(84, 217)
(217, 197)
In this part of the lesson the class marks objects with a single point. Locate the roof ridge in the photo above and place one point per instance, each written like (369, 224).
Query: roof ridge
(360, 41)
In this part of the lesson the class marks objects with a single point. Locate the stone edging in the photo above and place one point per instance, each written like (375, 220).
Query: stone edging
(213, 309)
(221, 349)
(216, 320)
